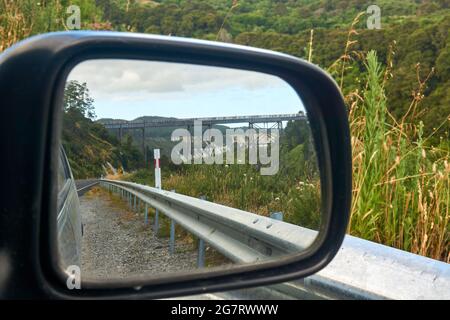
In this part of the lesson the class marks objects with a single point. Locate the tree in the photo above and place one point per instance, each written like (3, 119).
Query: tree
(78, 99)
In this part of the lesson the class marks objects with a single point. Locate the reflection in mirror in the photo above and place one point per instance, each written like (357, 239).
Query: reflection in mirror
(200, 167)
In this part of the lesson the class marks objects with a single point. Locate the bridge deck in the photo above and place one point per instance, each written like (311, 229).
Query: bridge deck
(205, 121)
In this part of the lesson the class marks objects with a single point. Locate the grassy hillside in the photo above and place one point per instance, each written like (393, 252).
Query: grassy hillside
(295, 190)
(90, 148)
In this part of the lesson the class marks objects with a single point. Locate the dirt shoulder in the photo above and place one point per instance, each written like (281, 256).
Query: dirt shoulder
(117, 243)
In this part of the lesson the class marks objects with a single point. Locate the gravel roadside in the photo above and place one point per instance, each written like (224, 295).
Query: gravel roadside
(117, 244)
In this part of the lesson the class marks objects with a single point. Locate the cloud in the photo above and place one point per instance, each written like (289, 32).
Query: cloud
(115, 78)
(128, 89)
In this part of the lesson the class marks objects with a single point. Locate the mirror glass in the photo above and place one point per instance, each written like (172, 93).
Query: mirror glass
(168, 167)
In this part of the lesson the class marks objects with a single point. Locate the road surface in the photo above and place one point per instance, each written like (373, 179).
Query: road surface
(116, 243)
(84, 185)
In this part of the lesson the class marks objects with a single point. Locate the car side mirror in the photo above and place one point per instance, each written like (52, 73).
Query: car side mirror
(35, 76)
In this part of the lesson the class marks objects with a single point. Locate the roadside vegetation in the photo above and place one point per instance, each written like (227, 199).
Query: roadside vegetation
(294, 190)
(92, 150)
(401, 189)
(398, 99)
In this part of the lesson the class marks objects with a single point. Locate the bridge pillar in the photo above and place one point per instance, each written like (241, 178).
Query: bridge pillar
(208, 126)
(144, 151)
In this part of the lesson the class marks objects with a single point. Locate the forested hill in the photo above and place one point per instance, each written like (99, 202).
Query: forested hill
(201, 18)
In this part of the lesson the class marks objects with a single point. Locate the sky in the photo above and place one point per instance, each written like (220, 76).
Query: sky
(127, 89)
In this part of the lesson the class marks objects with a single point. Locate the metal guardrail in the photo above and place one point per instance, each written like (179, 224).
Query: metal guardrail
(367, 270)
(361, 270)
(85, 185)
(239, 235)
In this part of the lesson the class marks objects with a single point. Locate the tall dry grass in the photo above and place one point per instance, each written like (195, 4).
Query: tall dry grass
(13, 24)
(20, 19)
(401, 188)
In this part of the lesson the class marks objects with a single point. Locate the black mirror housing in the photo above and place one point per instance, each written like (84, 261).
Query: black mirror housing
(32, 78)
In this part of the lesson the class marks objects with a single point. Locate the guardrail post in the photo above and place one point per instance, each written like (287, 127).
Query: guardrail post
(201, 248)
(172, 235)
(156, 226)
(134, 205)
(146, 214)
(277, 215)
(201, 254)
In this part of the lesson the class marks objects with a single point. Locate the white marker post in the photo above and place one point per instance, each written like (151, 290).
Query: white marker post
(156, 154)
(157, 169)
